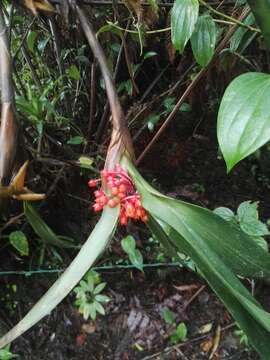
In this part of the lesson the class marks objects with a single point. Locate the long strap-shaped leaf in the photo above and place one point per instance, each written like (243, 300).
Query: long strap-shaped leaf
(236, 249)
(46, 234)
(247, 312)
(214, 246)
(88, 254)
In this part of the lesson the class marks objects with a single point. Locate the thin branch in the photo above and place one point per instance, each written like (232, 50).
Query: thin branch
(230, 18)
(92, 105)
(105, 115)
(120, 140)
(117, 112)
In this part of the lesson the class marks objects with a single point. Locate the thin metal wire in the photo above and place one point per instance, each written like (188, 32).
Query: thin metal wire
(97, 268)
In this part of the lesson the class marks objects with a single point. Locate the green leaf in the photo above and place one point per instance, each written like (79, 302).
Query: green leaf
(73, 72)
(149, 54)
(86, 162)
(247, 211)
(244, 117)
(238, 36)
(85, 310)
(93, 276)
(185, 107)
(229, 289)
(246, 311)
(136, 259)
(128, 244)
(152, 120)
(181, 331)
(183, 20)
(42, 229)
(216, 246)
(261, 242)
(111, 27)
(76, 140)
(203, 40)
(168, 316)
(30, 40)
(254, 228)
(102, 298)
(235, 248)
(261, 11)
(179, 334)
(92, 311)
(5, 354)
(226, 213)
(91, 250)
(19, 241)
(100, 287)
(248, 218)
(99, 308)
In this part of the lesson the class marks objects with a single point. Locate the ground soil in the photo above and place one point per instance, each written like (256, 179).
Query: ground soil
(133, 327)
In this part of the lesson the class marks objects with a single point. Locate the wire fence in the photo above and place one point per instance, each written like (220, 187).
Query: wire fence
(97, 268)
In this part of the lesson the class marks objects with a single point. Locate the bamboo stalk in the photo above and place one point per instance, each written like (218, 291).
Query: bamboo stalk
(9, 126)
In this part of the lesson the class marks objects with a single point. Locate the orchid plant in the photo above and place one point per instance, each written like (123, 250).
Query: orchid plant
(220, 250)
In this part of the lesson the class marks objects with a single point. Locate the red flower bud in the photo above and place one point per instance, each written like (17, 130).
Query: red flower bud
(111, 203)
(92, 183)
(114, 190)
(97, 207)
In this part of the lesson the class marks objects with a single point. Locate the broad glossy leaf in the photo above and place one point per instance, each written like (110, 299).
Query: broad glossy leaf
(244, 117)
(247, 211)
(226, 213)
(183, 20)
(203, 40)
(91, 250)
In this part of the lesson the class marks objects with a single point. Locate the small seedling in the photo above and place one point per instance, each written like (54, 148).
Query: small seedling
(89, 299)
(247, 218)
(179, 334)
(243, 339)
(6, 354)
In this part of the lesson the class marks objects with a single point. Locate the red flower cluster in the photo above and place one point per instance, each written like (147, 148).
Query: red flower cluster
(122, 191)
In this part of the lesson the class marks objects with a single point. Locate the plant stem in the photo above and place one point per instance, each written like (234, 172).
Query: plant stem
(120, 140)
(230, 18)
